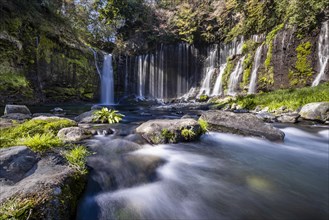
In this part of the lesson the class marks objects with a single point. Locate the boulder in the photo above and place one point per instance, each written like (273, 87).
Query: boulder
(22, 109)
(17, 116)
(242, 124)
(43, 114)
(162, 131)
(318, 111)
(288, 118)
(73, 134)
(86, 117)
(40, 188)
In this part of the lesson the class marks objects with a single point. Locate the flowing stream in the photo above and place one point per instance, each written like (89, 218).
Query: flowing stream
(222, 176)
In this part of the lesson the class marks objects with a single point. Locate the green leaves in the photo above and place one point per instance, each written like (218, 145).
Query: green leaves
(110, 116)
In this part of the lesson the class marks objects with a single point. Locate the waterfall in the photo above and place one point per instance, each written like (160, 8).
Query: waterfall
(140, 77)
(96, 63)
(253, 79)
(210, 69)
(107, 87)
(218, 90)
(323, 52)
(235, 77)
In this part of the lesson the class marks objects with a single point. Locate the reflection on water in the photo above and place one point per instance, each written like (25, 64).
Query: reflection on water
(221, 177)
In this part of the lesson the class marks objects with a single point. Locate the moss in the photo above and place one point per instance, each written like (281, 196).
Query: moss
(266, 79)
(303, 70)
(228, 70)
(45, 49)
(37, 134)
(247, 66)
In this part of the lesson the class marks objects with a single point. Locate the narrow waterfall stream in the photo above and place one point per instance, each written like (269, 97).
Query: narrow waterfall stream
(235, 78)
(323, 52)
(107, 82)
(222, 176)
(253, 79)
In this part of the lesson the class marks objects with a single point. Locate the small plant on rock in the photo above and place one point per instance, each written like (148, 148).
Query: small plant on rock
(203, 125)
(77, 158)
(107, 115)
(203, 98)
(188, 133)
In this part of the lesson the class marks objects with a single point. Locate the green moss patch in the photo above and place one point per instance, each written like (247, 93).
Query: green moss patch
(37, 134)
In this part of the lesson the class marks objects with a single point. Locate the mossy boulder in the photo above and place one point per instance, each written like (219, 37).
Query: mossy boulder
(162, 131)
(38, 186)
(73, 134)
(318, 111)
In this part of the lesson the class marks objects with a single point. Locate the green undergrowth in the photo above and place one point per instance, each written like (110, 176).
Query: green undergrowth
(290, 98)
(16, 209)
(37, 134)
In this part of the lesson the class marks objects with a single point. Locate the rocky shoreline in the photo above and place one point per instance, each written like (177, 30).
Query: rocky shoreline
(44, 185)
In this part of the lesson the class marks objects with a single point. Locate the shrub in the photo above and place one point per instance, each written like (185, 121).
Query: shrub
(107, 115)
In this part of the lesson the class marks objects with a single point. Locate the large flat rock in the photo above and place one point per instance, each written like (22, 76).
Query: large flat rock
(242, 124)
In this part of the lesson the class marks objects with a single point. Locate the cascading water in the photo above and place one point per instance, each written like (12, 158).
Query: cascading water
(253, 79)
(235, 78)
(210, 70)
(323, 52)
(107, 82)
(218, 89)
(96, 63)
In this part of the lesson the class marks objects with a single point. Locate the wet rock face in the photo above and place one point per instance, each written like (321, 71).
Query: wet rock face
(170, 131)
(318, 111)
(242, 124)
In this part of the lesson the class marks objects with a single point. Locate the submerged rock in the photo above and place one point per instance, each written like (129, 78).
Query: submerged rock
(289, 118)
(170, 130)
(22, 109)
(318, 111)
(242, 124)
(73, 134)
(40, 187)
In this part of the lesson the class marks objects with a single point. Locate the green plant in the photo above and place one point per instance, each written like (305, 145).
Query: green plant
(203, 125)
(203, 98)
(188, 133)
(169, 136)
(40, 142)
(77, 158)
(16, 209)
(107, 115)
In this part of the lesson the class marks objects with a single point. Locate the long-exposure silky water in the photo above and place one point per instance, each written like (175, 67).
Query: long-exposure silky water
(107, 82)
